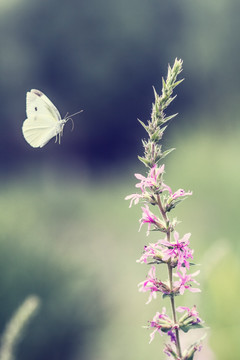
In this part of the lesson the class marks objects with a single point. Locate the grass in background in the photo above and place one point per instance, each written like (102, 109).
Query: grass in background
(74, 244)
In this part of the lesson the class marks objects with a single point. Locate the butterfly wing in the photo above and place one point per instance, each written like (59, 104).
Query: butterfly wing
(39, 130)
(38, 103)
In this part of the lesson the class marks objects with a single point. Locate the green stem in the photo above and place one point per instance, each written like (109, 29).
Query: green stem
(170, 275)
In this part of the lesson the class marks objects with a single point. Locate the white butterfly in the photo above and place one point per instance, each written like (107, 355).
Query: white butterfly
(43, 120)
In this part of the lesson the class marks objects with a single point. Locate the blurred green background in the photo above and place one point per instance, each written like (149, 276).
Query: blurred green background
(67, 234)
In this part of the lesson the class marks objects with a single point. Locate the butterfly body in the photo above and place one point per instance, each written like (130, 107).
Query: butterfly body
(43, 120)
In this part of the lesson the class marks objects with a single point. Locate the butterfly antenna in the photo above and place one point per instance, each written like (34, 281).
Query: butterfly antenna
(72, 123)
(69, 117)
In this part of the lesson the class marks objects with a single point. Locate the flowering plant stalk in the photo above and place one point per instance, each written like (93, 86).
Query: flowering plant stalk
(172, 250)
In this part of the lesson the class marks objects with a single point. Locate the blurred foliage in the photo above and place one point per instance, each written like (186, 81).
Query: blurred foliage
(15, 328)
(31, 262)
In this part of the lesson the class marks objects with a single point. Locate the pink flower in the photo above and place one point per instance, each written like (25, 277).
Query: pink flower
(178, 250)
(180, 193)
(162, 324)
(150, 284)
(148, 218)
(152, 180)
(153, 285)
(134, 199)
(166, 188)
(184, 281)
(177, 194)
(190, 313)
(144, 182)
(172, 199)
(153, 251)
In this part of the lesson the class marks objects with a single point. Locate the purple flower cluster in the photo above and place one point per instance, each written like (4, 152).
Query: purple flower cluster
(162, 324)
(172, 250)
(178, 250)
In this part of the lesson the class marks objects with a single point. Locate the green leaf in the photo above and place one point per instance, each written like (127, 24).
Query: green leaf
(178, 82)
(173, 204)
(166, 152)
(166, 121)
(144, 125)
(146, 162)
(163, 128)
(155, 136)
(155, 94)
(164, 86)
(186, 328)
